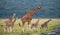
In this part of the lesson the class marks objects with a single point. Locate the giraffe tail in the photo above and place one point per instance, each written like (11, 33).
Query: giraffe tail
(19, 24)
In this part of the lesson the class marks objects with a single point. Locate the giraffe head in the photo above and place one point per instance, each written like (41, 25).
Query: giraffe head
(14, 14)
(39, 7)
(50, 19)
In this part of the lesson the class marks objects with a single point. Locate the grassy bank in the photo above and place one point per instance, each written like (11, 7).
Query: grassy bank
(17, 30)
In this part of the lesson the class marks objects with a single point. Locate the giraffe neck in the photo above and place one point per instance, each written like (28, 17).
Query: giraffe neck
(34, 11)
(37, 21)
(48, 21)
(14, 21)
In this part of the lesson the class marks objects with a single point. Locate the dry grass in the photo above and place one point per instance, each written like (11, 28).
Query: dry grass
(55, 23)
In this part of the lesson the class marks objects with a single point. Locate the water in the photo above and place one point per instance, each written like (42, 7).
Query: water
(50, 8)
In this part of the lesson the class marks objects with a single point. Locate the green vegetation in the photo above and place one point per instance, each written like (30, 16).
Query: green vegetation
(17, 30)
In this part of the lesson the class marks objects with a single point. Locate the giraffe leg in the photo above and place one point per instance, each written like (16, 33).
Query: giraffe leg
(23, 28)
(23, 22)
(31, 27)
(10, 29)
(36, 29)
(5, 29)
(29, 24)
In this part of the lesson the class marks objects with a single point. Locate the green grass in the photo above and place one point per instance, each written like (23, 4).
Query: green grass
(52, 26)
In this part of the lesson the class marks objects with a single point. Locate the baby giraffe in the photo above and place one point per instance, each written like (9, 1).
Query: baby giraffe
(44, 25)
(35, 25)
(9, 24)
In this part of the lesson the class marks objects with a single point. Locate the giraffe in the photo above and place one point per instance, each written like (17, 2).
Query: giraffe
(28, 17)
(44, 25)
(9, 24)
(35, 25)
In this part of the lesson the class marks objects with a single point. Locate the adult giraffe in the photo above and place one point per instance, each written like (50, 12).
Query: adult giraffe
(28, 17)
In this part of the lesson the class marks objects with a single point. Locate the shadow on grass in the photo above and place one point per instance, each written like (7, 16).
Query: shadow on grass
(25, 33)
(43, 34)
